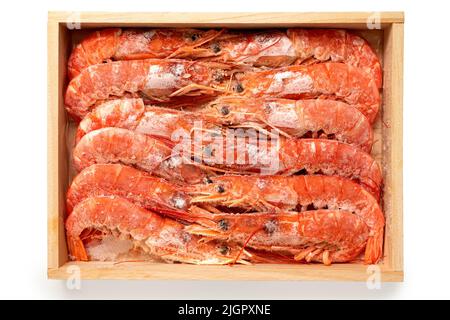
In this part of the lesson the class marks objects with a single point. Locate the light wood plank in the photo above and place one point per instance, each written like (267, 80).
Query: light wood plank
(393, 146)
(56, 151)
(213, 19)
(52, 148)
(159, 271)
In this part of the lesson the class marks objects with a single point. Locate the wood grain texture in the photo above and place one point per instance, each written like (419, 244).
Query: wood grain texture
(52, 149)
(57, 164)
(161, 271)
(388, 42)
(238, 20)
(393, 145)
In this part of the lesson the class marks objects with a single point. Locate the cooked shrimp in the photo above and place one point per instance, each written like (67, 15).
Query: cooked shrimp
(293, 156)
(147, 232)
(157, 80)
(337, 46)
(117, 145)
(271, 48)
(301, 193)
(117, 44)
(336, 81)
(135, 185)
(303, 118)
(321, 235)
(133, 114)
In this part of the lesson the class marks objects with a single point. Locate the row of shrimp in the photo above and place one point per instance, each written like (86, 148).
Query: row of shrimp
(224, 147)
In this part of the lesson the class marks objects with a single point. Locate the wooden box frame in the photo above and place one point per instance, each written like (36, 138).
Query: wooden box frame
(391, 267)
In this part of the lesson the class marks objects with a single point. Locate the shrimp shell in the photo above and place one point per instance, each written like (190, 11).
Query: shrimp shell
(336, 46)
(157, 236)
(267, 48)
(158, 80)
(291, 156)
(133, 114)
(294, 118)
(117, 145)
(135, 185)
(271, 48)
(333, 236)
(118, 44)
(336, 81)
(112, 145)
(279, 193)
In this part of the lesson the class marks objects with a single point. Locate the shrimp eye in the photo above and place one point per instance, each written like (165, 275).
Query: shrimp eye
(218, 76)
(268, 108)
(208, 180)
(186, 237)
(215, 48)
(195, 36)
(224, 250)
(225, 110)
(178, 201)
(220, 189)
(270, 226)
(239, 88)
(223, 225)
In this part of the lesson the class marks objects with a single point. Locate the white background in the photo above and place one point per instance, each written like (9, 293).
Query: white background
(23, 124)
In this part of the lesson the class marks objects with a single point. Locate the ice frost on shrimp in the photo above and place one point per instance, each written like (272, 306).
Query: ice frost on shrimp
(302, 236)
(335, 81)
(117, 44)
(326, 119)
(147, 232)
(300, 193)
(156, 80)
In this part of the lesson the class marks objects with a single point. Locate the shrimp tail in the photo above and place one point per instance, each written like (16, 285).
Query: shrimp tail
(77, 249)
(374, 248)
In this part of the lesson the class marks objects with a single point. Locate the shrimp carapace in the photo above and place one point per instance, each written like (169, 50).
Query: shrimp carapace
(156, 156)
(135, 115)
(117, 44)
(335, 81)
(300, 193)
(145, 231)
(269, 48)
(328, 119)
(320, 235)
(288, 156)
(135, 185)
(155, 79)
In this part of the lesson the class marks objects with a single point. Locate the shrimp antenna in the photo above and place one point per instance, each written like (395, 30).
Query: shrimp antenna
(245, 244)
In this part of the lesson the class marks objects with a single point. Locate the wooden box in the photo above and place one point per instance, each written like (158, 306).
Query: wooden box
(384, 30)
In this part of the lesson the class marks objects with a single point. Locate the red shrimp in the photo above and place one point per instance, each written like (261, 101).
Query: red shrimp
(133, 114)
(337, 46)
(300, 193)
(336, 81)
(155, 79)
(135, 185)
(319, 118)
(320, 235)
(117, 44)
(293, 156)
(117, 145)
(146, 231)
(272, 48)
